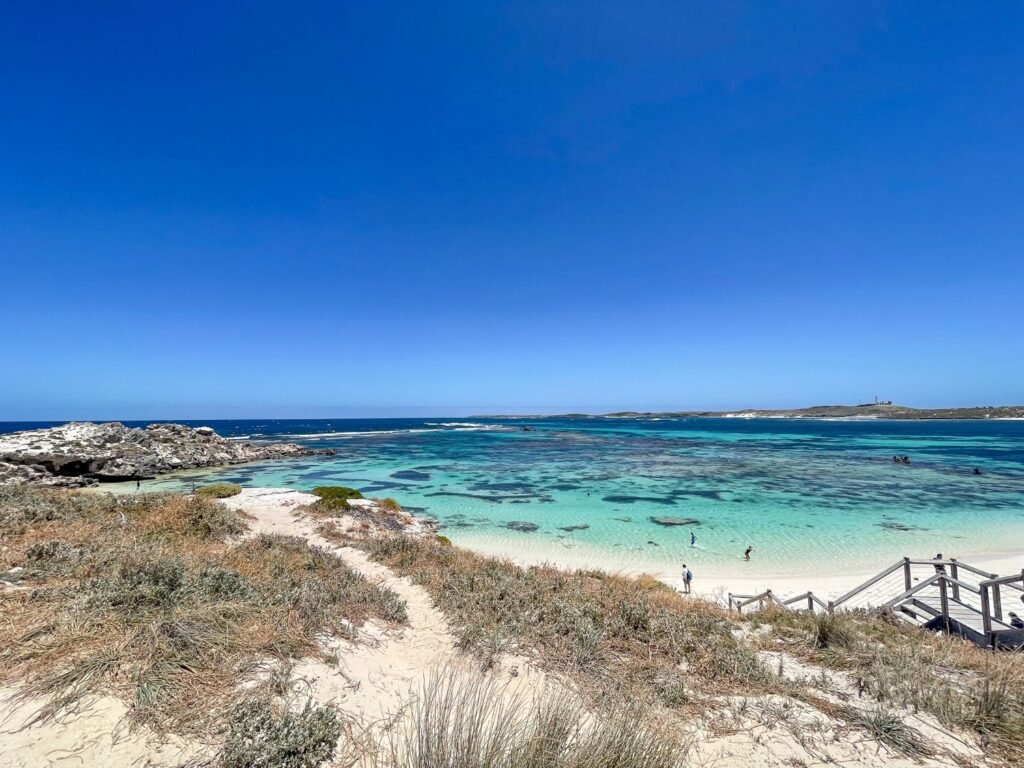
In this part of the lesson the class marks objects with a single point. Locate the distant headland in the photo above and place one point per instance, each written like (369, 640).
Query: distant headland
(865, 411)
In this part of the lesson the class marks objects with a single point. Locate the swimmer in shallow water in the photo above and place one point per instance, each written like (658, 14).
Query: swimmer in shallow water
(693, 539)
(746, 554)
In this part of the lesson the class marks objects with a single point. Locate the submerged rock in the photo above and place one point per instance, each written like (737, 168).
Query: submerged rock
(670, 521)
(84, 453)
(521, 526)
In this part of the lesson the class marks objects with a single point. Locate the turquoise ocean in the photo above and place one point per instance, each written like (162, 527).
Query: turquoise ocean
(808, 495)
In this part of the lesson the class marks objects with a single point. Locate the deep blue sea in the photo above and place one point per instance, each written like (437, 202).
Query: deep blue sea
(800, 491)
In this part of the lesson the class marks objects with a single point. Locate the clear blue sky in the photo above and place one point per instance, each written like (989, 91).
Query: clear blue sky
(256, 209)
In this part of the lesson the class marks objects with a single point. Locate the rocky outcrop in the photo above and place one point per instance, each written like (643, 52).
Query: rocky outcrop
(84, 453)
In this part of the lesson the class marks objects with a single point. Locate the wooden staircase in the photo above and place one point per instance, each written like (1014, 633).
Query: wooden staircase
(940, 595)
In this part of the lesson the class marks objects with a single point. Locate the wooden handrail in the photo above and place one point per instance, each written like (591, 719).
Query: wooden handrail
(947, 575)
(911, 592)
(869, 583)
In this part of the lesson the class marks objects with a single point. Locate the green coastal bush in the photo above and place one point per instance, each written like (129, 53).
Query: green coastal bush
(263, 735)
(219, 490)
(334, 497)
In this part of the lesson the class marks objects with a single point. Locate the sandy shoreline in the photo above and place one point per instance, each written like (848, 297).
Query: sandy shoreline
(745, 578)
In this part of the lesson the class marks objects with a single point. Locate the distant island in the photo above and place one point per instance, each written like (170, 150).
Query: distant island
(864, 411)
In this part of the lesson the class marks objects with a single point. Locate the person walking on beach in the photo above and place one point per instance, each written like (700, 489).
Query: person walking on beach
(746, 554)
(939, 569)
(687, 578)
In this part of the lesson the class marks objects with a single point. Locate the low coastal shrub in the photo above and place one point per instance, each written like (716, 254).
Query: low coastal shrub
(219, 490)
(389, 505)
(901, 666)
(150, 597)
(610, 633)
(263, 734)
(335, 497)
(474, 722)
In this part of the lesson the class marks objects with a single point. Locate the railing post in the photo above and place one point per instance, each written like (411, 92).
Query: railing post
(944, 601)
(997, 603)
(906, 574)
(986, 616)
(810, 603)
(956, 575)
(831, 607)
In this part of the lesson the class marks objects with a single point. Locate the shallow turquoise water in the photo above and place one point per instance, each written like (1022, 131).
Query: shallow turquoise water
(808, 495)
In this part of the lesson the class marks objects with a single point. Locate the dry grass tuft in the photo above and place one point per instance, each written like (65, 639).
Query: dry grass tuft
(962, 685)
(475, 722)
(152, 599)
(388, 505)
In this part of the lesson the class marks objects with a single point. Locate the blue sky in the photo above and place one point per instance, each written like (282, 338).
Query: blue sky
(247, 209)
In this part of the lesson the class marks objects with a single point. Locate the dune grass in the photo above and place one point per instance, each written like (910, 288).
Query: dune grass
(962, 685)
(614, 635)
(153, 599)
(475, 722)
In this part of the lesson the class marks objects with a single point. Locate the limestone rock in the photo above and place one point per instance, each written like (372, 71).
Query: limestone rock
(84, 453)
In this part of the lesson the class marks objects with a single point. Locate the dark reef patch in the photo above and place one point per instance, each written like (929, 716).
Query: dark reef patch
(410, 474)
(891, 525)
(519, 487)
(666, 500)
(673, 521)
(570, 528)
(521, 525)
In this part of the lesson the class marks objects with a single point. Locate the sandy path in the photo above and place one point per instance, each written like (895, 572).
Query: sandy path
(375, 678)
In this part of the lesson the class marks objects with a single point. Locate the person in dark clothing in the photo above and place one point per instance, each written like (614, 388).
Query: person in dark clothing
(939, 568)
(746, 554)
(977, 471)
(1015, 621)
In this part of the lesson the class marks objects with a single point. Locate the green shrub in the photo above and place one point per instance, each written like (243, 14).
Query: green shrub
(143, 584)
(334, 497)
(262, 736)
(444, 541)
(210, 520)
(219, 490)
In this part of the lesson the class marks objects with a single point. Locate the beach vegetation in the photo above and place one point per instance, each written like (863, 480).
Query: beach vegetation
(461, 721)
(153, 598)
(263, 733)
(612, 634)
(219, 490)
(334, 498)
(389, 505)
(901, 666)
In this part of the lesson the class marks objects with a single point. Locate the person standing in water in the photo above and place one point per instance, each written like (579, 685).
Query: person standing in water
(687, 578)
(693, 540)
(746, 554)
